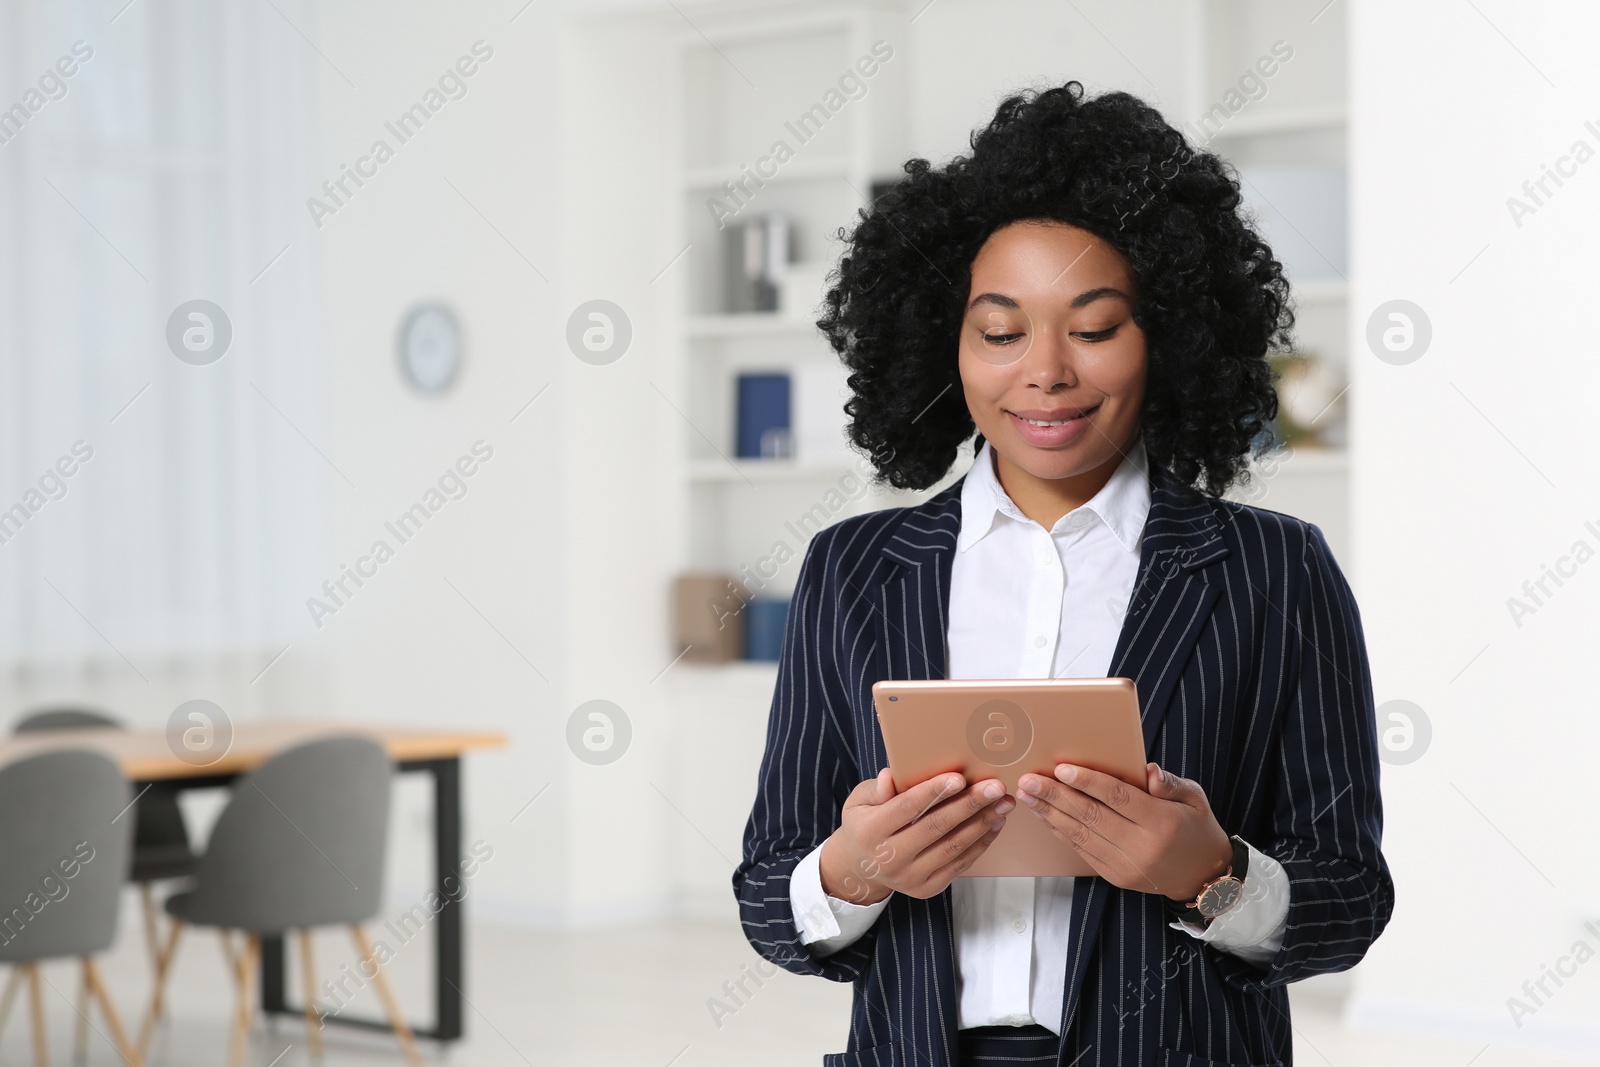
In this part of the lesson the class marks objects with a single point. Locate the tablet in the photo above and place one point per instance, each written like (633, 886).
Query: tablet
(1005, 728)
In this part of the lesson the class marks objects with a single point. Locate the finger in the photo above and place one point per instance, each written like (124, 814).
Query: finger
(1164, 785)
(924, 854)
(1090, 811)
(1110, 790)
(948, 814)
(910, 805)
(871, 791)
(962, 863)
(951, 846)
(1109, 859)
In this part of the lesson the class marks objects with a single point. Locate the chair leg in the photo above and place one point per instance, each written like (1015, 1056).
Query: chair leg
(80, 1034)
(163, 968)
(397, 1021)
(225, 939)
(241, 1021)
(41, 1054)
(91, 974)
(308, 971)
(13, 984)
(152, 927)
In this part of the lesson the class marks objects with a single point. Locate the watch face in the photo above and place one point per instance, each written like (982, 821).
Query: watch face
(430, 348)
(1219, 897)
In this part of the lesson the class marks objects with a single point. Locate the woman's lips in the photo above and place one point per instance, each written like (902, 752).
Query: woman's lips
(1051, 436)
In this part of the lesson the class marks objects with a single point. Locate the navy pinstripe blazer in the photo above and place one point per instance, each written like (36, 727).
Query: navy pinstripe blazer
(1246, 645)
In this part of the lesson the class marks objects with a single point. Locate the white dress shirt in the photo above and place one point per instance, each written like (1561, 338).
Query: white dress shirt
(1030, 603)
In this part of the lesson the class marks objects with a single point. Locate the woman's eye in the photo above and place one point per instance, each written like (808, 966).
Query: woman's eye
(1096, 335)
(1001, 338)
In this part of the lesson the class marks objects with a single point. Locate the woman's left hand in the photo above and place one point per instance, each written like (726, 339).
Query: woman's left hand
(1163, 841)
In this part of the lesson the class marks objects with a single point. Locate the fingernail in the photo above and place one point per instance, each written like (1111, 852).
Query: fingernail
(1066, 772)
(1003, 807)
(951, 784)
(992, 790)
(1030, 785)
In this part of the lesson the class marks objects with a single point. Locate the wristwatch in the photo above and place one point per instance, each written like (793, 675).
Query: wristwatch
(1219, 894)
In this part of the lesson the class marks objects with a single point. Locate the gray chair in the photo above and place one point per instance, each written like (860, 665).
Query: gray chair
(300, 844)
(161, 848)
(64, 846)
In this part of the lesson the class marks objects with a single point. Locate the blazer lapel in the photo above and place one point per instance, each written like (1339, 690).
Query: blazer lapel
(911, 626)
(1171, 602)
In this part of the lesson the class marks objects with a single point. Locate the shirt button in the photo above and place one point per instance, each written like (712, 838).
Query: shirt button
(1019, 925)
(1038, 642)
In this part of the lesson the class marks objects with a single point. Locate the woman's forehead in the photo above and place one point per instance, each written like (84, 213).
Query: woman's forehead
(1036, 259)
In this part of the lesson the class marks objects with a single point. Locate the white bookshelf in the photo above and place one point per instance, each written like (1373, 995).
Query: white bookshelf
(742, 79)
(1300, 121)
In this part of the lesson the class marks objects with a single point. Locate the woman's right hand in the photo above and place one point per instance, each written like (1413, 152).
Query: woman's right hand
(915, 842)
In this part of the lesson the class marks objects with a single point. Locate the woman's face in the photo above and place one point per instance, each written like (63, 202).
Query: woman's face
(1049, 336)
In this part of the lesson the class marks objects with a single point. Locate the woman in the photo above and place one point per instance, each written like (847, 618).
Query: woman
(1083, 291)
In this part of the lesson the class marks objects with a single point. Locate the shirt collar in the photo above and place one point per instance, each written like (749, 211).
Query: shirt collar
(1122, 503)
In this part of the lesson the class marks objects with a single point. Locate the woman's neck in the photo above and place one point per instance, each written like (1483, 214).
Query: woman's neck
(1045, 500)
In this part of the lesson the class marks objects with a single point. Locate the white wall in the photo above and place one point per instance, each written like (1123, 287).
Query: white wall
(968, 55)
(1473, 468)
(408, 648)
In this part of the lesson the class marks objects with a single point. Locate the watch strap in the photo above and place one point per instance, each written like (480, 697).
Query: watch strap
(1239, 868)
(1241, 857)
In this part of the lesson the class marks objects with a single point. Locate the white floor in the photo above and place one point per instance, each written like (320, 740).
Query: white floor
(636, 997)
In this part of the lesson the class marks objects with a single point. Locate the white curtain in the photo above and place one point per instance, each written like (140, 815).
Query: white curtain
(171, 165)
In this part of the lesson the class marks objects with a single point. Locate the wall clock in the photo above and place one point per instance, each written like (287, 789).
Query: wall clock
(429, 348)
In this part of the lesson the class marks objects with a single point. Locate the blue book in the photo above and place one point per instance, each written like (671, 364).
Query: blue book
(764, 620)
(763, 417)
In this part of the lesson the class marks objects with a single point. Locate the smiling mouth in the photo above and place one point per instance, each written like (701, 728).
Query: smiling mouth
(1061, 421)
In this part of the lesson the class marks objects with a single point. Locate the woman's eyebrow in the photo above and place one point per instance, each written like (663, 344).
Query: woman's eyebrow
(1097, 294)
(1081, 300)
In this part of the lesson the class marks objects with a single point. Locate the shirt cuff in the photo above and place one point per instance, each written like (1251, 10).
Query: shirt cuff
(1253, 928)
(826, 924)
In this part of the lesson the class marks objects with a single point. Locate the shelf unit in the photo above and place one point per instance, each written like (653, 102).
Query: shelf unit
(742, 80)
(1295, 121)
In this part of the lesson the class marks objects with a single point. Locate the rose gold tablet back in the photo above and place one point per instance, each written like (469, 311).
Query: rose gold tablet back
(1004, 728)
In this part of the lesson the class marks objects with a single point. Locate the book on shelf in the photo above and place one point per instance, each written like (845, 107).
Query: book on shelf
(797, 414)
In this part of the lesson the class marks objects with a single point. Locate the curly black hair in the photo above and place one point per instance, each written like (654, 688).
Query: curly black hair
(1212, 298)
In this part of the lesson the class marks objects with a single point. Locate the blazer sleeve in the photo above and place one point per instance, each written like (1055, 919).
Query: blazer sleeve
(1327, 823)
(806, 774)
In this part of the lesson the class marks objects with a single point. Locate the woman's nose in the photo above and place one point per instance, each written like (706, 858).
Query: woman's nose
(1048, 361)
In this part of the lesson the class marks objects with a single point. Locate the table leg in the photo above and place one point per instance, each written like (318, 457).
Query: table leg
(447, 864)
(274, 985)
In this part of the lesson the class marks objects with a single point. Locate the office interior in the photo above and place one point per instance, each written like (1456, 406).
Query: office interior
(379, 382)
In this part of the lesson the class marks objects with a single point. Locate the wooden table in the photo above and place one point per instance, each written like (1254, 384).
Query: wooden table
(145, 756)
